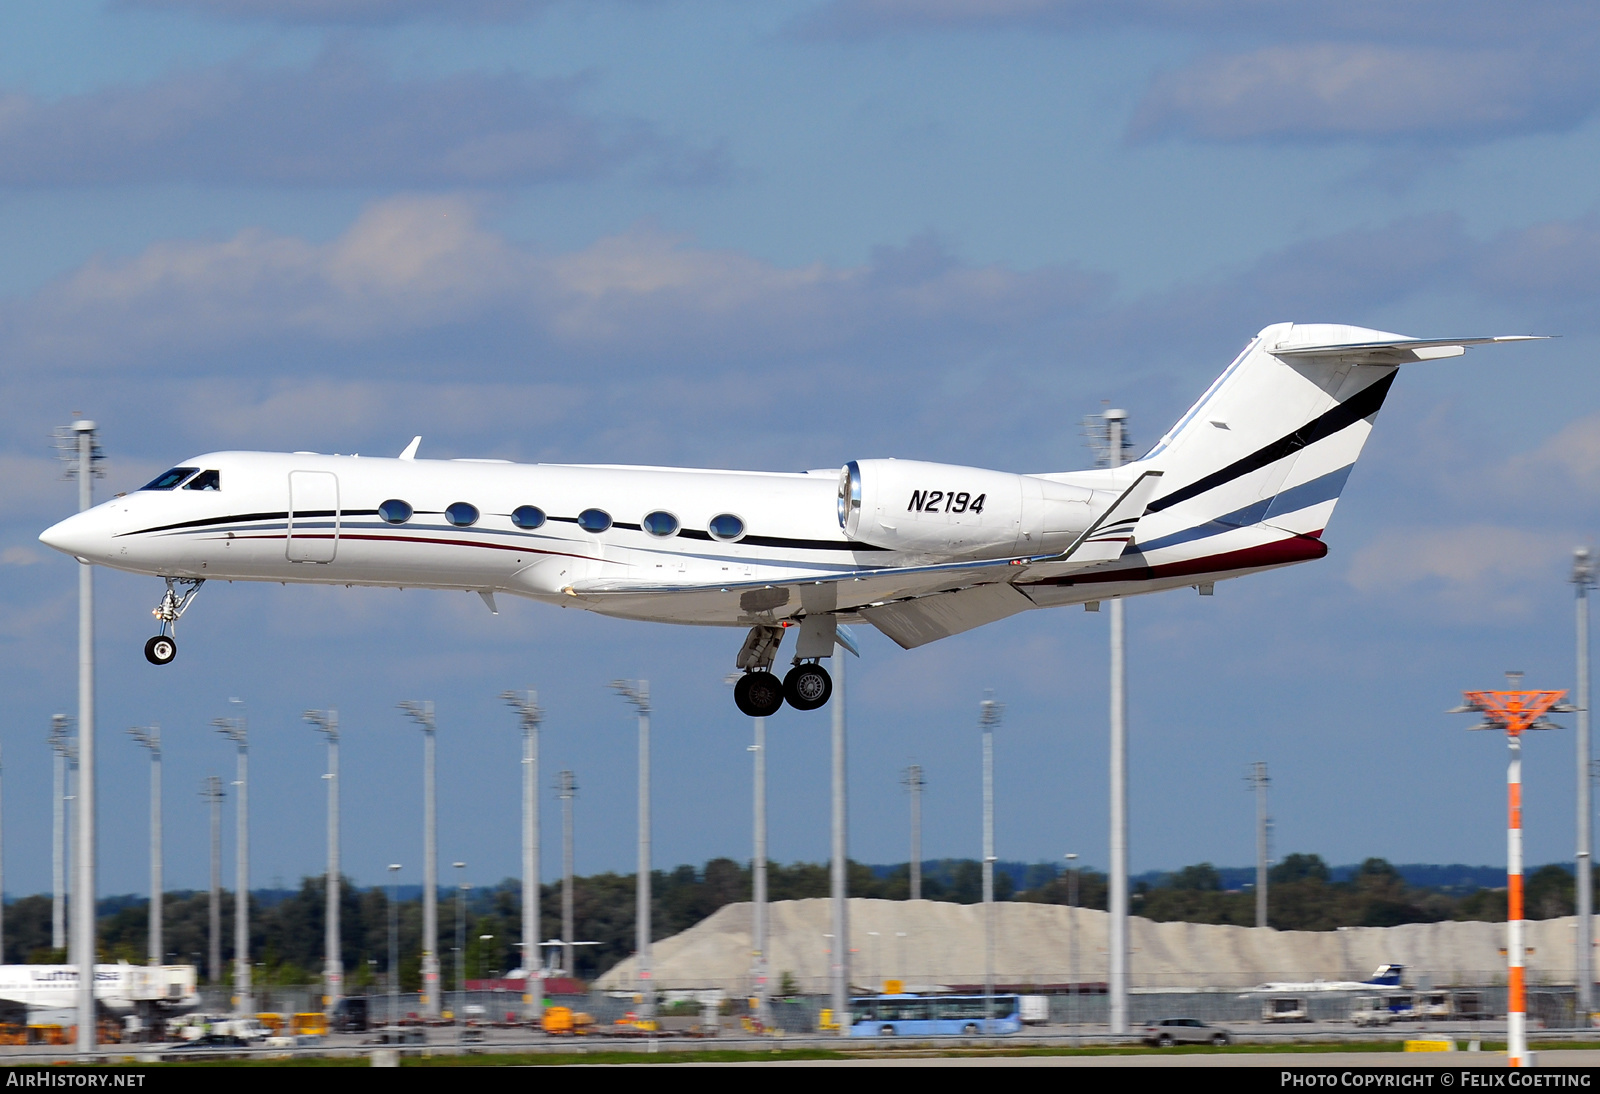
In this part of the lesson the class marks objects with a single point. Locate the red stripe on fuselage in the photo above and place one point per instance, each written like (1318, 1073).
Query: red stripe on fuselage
(1281, 552)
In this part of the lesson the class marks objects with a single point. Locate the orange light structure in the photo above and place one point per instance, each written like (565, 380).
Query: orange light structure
(1514, 712)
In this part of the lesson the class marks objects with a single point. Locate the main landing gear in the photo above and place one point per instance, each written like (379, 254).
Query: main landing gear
(161, 649)
(758, 693)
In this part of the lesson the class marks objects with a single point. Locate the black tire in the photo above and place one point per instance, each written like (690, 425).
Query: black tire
(758, 694)
(161, 649)
(886, 1031)
(1165, 1040)
(808, 686)
(970, 1029)
(1220, 1039)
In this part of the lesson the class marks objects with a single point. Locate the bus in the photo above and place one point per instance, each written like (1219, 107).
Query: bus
(934, 1015)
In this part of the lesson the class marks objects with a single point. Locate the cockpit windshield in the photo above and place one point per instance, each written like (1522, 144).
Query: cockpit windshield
(168, 479)
(206, 480)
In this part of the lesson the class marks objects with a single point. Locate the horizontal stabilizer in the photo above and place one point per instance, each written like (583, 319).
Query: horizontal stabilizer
(1397, 351)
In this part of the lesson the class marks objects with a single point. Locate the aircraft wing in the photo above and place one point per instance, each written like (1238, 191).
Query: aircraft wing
(913, 605)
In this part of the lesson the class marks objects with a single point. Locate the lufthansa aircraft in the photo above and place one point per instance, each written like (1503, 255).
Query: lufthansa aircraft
(1244, 482)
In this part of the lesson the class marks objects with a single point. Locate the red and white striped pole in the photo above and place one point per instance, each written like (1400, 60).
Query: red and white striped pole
(1515, 712)
(1517, 1000)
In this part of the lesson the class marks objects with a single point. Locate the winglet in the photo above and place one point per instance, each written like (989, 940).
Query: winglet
(411, 449)
(1108, 537)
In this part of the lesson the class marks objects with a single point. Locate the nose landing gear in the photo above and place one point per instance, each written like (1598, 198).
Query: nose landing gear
(161, 649)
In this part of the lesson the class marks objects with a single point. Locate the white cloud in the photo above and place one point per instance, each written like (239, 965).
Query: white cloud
(338, 121)
(1341, 90)
(1431, 20)
(414, 266)
(351, 12)
(1423, 70)
(1472, 572)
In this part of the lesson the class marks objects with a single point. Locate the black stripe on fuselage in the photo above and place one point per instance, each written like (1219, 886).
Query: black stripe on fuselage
(685, 533)
(1363, 404)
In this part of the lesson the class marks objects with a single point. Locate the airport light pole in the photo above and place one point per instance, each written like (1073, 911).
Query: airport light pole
(422, 714)
(914, 782)
(2, 886)
(327, 723)
(62, 747)
(83, 463)
(758, 864)
(212, 792)
(1072, 945)
(1514, 712)
(638, 695)
(394, 944)
(150, 738)
(1583, 579)
(758, 868)
(1108, 436)
(529, 714)
(1118, 899)
(839, 966)
(461, 943)
(566, 790)
(1257, 778)
(989, 712)
(237, 730)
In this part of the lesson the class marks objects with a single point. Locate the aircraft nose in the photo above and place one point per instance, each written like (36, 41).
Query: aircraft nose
(80, 535)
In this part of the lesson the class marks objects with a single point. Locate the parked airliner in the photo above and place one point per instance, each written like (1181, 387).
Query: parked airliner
(1244, 482)
(50, 992)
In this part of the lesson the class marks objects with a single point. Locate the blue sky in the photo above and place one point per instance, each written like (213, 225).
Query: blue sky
(785, 236)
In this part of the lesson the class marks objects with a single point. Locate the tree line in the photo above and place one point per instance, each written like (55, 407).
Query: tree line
(286, 928)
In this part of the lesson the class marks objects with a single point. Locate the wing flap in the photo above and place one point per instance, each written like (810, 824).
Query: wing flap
(913, 623)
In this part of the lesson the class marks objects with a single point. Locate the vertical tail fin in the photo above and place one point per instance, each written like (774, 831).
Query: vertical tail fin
(1273, 440)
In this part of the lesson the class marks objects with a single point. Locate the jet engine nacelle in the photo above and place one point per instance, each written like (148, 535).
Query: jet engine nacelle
(942, 509)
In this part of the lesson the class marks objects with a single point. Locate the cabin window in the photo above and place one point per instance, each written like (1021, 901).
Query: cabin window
(527, 516)
(206, 480)
(594, 520)
(660, 523)
(461, 514)
(726, 527)
(395, 511)
(168, 479)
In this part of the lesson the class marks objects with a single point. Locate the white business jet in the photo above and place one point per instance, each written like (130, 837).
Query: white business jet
(1244, 482)
(1384, 976)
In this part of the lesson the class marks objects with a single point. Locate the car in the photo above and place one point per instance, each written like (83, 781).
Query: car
(1184, 1031)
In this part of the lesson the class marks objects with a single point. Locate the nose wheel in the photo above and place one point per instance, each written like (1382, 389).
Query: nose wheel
(161, 649)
